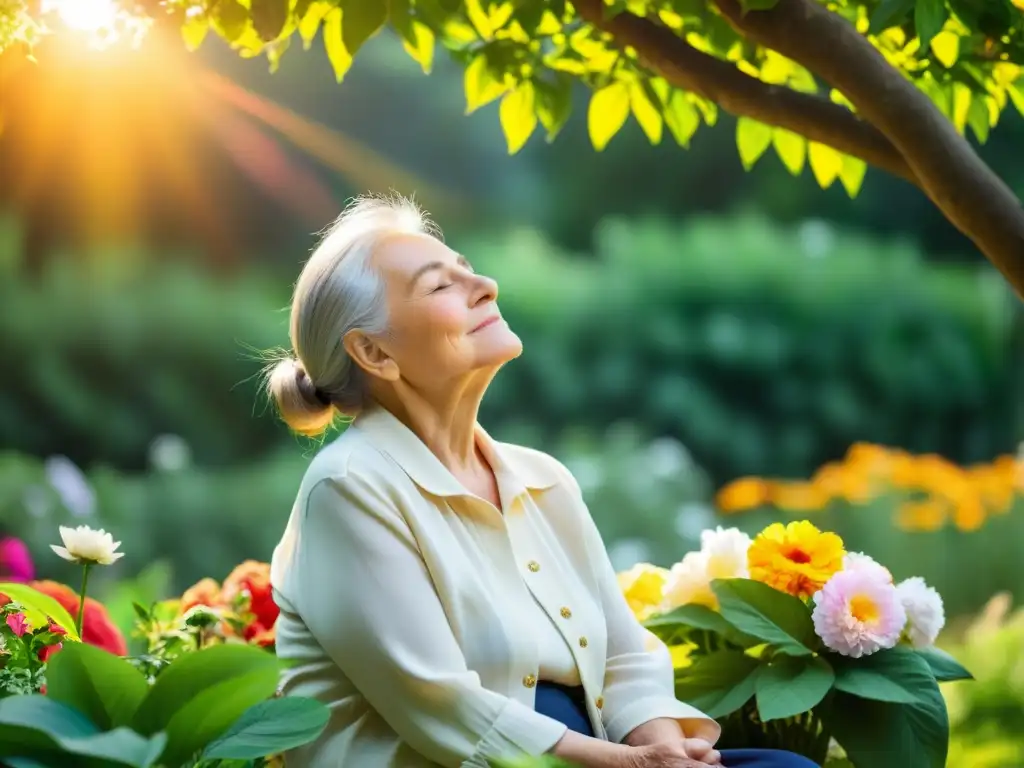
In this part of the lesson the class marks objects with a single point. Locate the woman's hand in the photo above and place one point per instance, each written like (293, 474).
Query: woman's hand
(671, 754)
(701, 749)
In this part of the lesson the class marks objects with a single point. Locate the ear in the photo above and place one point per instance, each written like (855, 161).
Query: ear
(370, 356)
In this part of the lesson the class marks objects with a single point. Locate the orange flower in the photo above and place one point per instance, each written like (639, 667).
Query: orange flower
(797, 558)
(253, 579)
(743, 494)
(204, 592)
(927, 515)
(97, 628)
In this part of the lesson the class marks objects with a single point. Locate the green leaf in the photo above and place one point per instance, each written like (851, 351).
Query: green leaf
(946, 48)
(554, 103)
(767, 614)
(826, 163)
(944, 667)
(1016, 96)
(40, 609)
(719, 683)
(194, 29)
(898, 675)
(852, 174)
(38, 727)
(681, 118)
(646, 108)
(889, 13)
(417, 38)
(310, 21)
(103, 687)
(518, 118)
(481, 83)
(192, 674)
(479, 18)
(977, 118)
(269, 728)
(752, 139)
(268, 18)
(607, 113)
(929, 18)
(681, 620)
(791, 685)
(791, 149)
(885, 735)
(230, 18)
(340, 58)
(361, 20)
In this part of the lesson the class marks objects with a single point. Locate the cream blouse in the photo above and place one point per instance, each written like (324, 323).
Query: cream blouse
(416, 611)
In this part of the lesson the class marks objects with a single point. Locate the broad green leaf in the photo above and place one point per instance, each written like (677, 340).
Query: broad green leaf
(852, 175)
(1016, 96)
(210, 714)
(767, 614)
(929, 18)
(681, 117)
(791, 149)
(192, 674)
(554, 104)
(417, 38)
(518, 118)
(103, 687)
(482, 84)
(686, 617)
(946, 47)
(826, 163)
(479, 18)
(977, 118)
(40, 609)
(269, 728)
(38, 727)
(269, 17)
(885, 735)
(962, 98)
(340, 58)
(230, 18)
(752, 139)
(943, 666)
(194, 30)
(790, 685)
(646, 109)
(897, 675)
(607, 113)
(361, 20)
(889, 13)
(719, 683)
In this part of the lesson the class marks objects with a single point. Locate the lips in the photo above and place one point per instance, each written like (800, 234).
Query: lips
(487, 322)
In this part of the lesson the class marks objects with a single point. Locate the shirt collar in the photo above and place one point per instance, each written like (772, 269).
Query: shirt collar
(515, 469)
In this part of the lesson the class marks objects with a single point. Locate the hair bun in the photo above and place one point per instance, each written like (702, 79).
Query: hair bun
(302, 406)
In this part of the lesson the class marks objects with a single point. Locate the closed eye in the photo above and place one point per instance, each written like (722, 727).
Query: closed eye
(441, 287)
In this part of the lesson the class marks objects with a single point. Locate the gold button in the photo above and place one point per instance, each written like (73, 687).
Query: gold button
(529, 681)
(600, 702)
(533, 565)
(583, 642)
(566, 613)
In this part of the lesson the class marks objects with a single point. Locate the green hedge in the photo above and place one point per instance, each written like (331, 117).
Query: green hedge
(764, 349)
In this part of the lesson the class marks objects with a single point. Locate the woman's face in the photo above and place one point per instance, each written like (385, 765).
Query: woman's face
(444, 321)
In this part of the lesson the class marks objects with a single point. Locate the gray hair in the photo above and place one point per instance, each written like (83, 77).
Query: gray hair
(338, 291)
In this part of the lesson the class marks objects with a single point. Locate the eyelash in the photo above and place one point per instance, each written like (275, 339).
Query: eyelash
(441, 287)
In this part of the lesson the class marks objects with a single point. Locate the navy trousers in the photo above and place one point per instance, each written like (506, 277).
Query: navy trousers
(567, 705)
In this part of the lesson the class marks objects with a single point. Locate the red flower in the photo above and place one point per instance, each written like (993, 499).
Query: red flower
(97, 628)
(48, 651)
(205, 592)
(253, 578)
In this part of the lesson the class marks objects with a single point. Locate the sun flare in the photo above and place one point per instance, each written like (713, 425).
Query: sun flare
(85, 15)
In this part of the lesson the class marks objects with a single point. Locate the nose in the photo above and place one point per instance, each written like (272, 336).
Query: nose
(485, 289)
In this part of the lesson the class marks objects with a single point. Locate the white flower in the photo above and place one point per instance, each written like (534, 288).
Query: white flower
(925, 614)
(722, 555)
(87, 546)
(858, 561)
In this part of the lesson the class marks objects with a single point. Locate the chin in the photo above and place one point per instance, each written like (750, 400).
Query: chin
(498, 351)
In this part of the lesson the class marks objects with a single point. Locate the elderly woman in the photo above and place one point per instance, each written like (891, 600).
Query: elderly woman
(448, 596)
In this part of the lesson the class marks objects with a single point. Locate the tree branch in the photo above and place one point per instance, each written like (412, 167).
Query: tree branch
(964, 188)
(744, 96)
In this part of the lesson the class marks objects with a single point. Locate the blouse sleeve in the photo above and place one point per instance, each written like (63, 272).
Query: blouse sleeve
(365, 594)
(639, 683)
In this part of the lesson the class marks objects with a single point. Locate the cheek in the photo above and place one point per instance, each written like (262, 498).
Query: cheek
(433, 324)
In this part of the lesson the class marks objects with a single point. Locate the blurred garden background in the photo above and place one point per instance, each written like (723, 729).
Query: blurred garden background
(704, 345)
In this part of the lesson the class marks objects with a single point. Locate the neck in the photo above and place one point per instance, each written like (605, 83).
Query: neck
(445, 420)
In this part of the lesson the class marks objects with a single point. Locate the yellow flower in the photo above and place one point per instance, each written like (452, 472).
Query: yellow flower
(642, 586)
(795, 558)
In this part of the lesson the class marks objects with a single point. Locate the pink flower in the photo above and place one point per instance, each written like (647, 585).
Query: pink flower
(15, 561)
(858, 612)
(17, 623)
